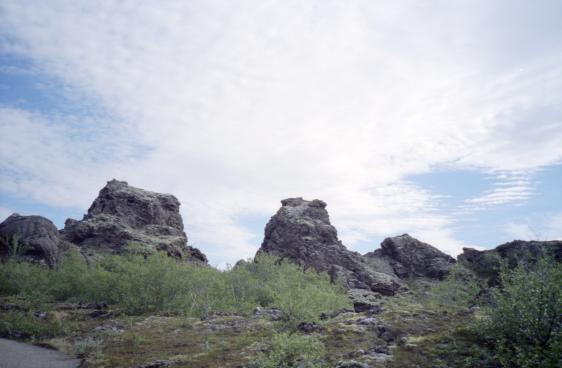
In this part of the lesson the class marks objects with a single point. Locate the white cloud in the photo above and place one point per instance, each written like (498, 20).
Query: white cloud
(536, 227)
(5, 212)
(554, 228)
(55, 161)
(520, 231)
(240, 105)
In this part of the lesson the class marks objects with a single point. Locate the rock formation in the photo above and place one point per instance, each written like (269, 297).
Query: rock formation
(486, 263)
(301, 232)
(33, 238)
(409, 257)
(122, 214)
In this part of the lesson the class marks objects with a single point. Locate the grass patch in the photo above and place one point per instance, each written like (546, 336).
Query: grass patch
(291, 350)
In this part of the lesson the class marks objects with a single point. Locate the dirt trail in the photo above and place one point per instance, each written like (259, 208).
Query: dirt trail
(15, 354)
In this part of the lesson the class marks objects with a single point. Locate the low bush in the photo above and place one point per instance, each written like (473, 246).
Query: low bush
(301, 295)
(88, 345)
(291, 350)
(523, 324)
(143, 283)
(460, 289)
(519, 321)
(24, 325)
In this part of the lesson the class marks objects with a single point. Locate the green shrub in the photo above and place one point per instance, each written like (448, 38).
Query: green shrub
(30, 280)
(302, 295)
(291, 350)
(142, 284)
(20, 324)
(523, 324)
(87, 345)
(460, 289)
(138, 249)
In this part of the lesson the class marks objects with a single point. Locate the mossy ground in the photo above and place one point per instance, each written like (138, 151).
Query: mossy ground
(221, 342)
(424, 336)
(433, 335)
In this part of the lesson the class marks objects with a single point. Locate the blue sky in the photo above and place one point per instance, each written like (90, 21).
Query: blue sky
(442, 119)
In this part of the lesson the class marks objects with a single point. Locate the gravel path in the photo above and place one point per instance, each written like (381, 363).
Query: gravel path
(15, 354)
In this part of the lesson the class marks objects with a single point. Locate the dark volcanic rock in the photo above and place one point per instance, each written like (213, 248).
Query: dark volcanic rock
(122, 214)
(308, 327)
(38, 238)
(410, 257)
(486, 264)
(301, 232)
(351, 364)
(196, 255)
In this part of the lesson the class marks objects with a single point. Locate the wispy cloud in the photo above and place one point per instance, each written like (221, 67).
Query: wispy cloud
(537, 227)
(509, 187)
(234, 106)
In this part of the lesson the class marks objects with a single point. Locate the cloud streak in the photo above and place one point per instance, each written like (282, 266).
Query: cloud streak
(509, 187)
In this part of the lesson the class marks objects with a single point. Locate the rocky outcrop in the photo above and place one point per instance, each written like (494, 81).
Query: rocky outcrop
(122, 214)
(409, 257)
(486, 263)
(194, 254)
(301, 232)
(33, 238)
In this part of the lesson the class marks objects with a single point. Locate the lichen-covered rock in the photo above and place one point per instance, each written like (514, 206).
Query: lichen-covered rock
(301, 232)
(122, 214)
(410, 257)
(365, 301)
(351, 364)
(37, 239)
(486, 263)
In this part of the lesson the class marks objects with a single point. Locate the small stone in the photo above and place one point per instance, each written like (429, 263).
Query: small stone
(273, 314)
(367, 321)
(380, 349)
(351, 364)
(100, 314)
(333, 314)
(308, 327)
(40, 315)
(386, 333)
(158, 364)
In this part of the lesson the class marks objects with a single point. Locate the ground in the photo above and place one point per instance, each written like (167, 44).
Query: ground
(408, 332)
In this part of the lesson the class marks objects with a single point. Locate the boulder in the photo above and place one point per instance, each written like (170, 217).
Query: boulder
(486, 263)
(36, 239)
(122, 214)
(301, 232)
(409, 257)
(365, 301)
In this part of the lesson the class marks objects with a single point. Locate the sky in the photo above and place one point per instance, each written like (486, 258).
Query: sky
(441, 119)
